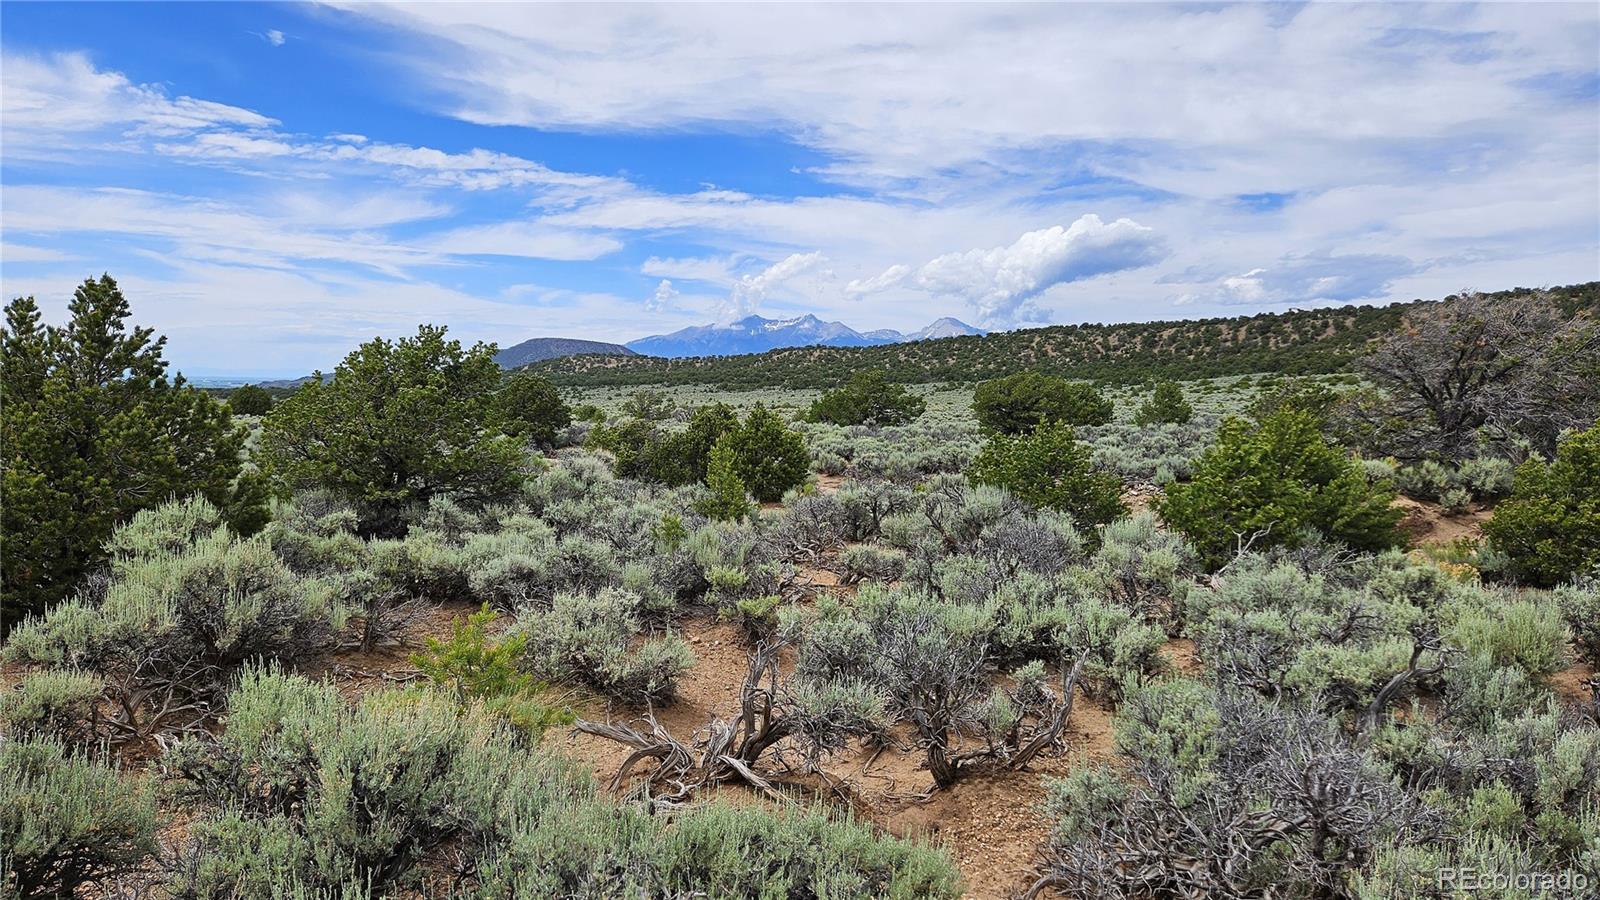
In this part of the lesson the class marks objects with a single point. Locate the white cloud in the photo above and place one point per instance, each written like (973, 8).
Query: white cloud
(718, 270)
(17, 253)
(59, 105)
(750, 290)
(999, 281)
(662, 298)
(888, 278)
(1307, 280)
(523, 239)
(894, 96)
(275, 37)
(967, 126)
(289, 231)
(58, 102)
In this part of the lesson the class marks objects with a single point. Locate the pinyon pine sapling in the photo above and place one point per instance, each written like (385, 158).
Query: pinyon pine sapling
(1166, 405)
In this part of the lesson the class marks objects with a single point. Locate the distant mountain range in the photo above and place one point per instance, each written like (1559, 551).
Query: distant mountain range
(752, 334)
(536, 349)
(755, 334)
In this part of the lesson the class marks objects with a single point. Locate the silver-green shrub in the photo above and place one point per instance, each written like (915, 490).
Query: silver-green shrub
(591, 639)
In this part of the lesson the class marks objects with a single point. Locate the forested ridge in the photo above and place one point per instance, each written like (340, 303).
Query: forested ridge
(1297, 342)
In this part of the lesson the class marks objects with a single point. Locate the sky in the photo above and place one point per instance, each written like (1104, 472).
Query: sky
(272, 184)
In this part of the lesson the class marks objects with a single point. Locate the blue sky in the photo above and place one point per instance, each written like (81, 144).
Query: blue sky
(273, 183)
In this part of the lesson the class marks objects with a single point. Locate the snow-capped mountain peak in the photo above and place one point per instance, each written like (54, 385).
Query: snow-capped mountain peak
(757, 334)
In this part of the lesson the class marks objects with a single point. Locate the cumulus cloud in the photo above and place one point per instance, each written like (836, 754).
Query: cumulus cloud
(275, 37)
(750, 290)
(1312, 279)
(1000, 281)
(662, 298)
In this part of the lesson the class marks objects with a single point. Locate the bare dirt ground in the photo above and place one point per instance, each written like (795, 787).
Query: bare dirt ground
(990, 822)
(1427, 523)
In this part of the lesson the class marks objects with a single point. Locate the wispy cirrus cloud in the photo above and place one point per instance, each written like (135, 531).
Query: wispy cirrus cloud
(61, 101)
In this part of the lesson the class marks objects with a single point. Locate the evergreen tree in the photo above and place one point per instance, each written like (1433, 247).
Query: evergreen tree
(1022, 402)
(727, 500)
(1166, 405)
(93, 432)
(401, 422)
(769, 456)
(1050, 468)
(528, 406)
(1269, 483)
(1550, 528)
(868, 398)
(250, 400)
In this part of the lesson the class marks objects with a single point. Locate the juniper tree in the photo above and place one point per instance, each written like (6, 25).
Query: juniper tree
(868, 398)
(1165, 406)
(1023, 402)
(1504, 368)
(400, 422)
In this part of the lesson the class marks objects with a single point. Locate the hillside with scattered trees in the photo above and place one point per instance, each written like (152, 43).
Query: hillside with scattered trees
(1297, 342)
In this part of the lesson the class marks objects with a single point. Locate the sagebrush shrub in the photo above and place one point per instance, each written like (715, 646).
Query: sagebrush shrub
(52, 703)
(164, 530)
(591, 638)
(67, 821)
(218, 604)
(1116, 646)
(305, 796)
(865, 563)
(928, 658)
(1205, 772)
(1528, 633)
(1580, 604)
(320, 795)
